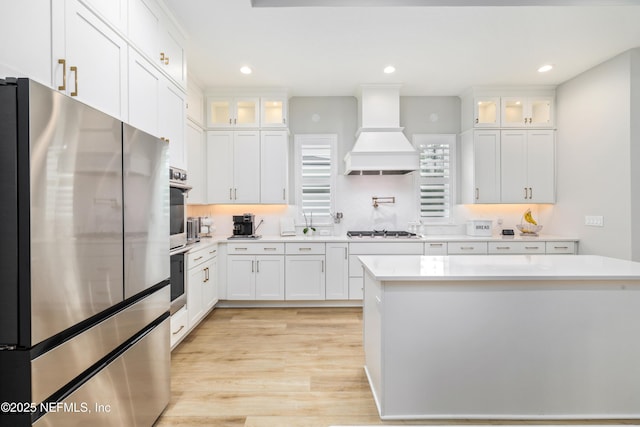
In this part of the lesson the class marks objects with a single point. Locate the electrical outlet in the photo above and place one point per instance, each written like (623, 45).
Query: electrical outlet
(594, 220)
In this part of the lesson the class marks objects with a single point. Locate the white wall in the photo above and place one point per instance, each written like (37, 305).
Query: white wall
(594, 158)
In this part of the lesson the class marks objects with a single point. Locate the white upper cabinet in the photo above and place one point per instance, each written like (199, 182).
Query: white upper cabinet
(89, 59)
(196, 165)
(172, 113)
(486, 112)
(232, 112)
(144, 93)
(274, 166)
(26, 54)
(114, 11)
(195, 104)
(151, 31)
(273, 111)
(532, 112)
(480, 172)
(528, 166)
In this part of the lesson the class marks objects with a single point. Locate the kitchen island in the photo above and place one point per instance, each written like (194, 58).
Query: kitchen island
(502, 337)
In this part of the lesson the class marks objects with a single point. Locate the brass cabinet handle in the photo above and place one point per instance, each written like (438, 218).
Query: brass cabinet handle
(74, 69)
(166, 60)
(206, 274)
(179, 329)
(64, 74)
(161, 56)
(198, 258)
(213, 251)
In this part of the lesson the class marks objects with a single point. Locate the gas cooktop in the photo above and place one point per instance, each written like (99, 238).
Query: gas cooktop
(383, 234)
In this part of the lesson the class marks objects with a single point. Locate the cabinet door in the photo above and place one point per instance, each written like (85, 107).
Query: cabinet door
(220, 167)
(241, 277)
(246, 112)
(305, 277)
(209, 297)
(196, 165)
(541, 166)
(144, 24)
(99, 58)
(273, 111)
(337, 271)
(486, 112)
(27, 55)
(173, 52)
(487, 166)
(195, 306)
(219, 112)
(274, 166)
(270, 278)
(513, 149)
(541, 112)
(514, 111)
(246, 167)
(144, 93)
(172, 122)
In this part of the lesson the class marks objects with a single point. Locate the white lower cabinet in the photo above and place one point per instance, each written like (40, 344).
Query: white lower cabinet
(179, 326)
(467, 248)
(255, 277)
(305, 277)
(202, 293)
(337, 271)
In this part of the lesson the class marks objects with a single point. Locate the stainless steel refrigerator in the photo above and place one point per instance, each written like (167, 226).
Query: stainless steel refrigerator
(84, 295)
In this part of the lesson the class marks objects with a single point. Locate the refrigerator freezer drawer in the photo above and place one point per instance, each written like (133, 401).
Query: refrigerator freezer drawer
(59, 366)
(133, 390)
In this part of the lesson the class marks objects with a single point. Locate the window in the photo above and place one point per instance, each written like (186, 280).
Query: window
(315, 176)
(437, 175)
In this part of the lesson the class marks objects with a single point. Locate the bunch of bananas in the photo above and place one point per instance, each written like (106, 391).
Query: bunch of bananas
(529, 218)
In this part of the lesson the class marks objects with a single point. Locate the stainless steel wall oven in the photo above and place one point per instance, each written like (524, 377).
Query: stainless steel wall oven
(178, 271)
(178, 190)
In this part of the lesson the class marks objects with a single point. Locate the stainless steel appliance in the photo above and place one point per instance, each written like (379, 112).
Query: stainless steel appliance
(84, 302)
(382, 234)
(244, 227)
(178, 279)
(193, 229)
(178, 189)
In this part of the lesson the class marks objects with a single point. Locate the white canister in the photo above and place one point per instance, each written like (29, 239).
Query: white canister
(479, 227)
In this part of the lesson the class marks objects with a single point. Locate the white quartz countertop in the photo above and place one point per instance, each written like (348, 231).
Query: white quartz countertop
(498, 267)
(428, 238)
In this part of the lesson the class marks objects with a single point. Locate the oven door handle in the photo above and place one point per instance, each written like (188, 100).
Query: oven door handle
(179, 250)
(180, 185)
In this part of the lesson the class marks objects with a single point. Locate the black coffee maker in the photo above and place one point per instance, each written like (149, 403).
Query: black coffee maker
(243, 225)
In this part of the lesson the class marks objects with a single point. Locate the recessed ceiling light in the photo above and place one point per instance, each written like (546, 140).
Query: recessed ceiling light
(245, 70)
(545, 68)
(389, 69)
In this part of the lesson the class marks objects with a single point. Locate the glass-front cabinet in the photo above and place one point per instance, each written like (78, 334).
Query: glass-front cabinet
(486, 112)
(273, 111)
(527, 112)
(224, 112)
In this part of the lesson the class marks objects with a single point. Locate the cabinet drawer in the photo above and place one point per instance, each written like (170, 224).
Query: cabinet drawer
(178, 325)
(386, 248)
(561, 247)
(255, 248)
(466, 248)
(304, 248)
(435, 248)
(508, 247)
(195, 258)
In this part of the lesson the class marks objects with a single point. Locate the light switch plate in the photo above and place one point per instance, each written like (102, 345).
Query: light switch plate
(594, 220)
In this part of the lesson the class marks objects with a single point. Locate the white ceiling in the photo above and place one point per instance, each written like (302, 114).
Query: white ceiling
(328, 51)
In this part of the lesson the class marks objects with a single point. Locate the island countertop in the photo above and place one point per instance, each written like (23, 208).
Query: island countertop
(498, 267)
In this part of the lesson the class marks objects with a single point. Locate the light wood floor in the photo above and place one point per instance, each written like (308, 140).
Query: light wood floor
(274, 368)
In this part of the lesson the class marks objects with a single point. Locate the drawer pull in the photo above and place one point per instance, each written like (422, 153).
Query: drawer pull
(506, 248)
(304, 249)
(213, 251)
(269, 249)
(179, 329)
(196, 259)
(467, 248)
(561, 247)
(436, 245)
(532, 247)
(240, 249)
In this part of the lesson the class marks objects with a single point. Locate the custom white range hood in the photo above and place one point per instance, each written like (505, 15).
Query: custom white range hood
(381, 148)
